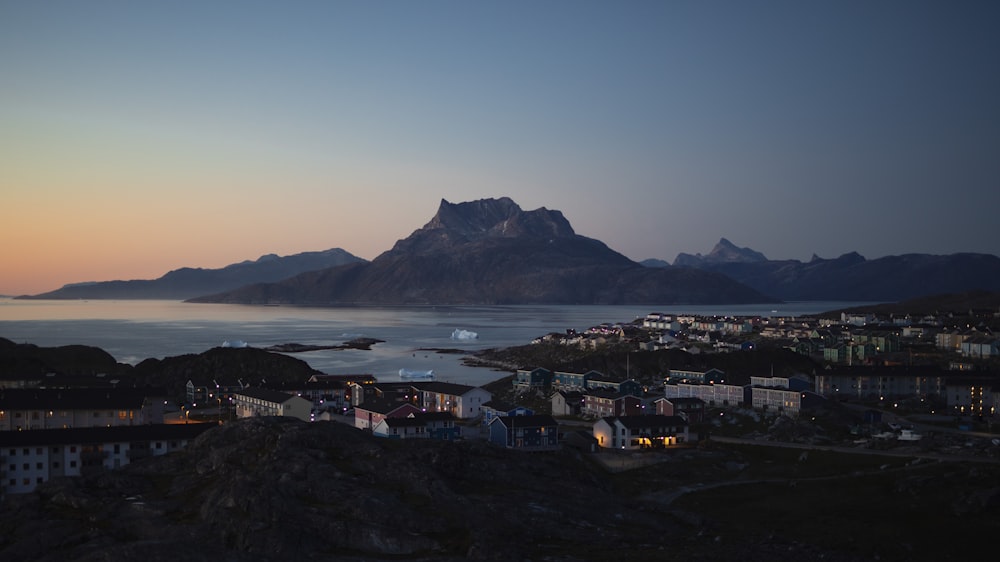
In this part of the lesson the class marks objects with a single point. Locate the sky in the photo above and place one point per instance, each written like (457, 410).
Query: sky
(140, 137)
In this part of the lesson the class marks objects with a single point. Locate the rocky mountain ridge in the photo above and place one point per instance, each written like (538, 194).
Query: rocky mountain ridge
(190, 282)
(849, 277)
(492, 252)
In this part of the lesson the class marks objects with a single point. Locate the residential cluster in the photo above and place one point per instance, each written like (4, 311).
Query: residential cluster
(51, 428)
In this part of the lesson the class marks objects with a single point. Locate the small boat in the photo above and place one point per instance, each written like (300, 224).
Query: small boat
(407, 374)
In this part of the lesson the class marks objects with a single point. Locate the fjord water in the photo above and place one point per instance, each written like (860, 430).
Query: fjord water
(133, 330)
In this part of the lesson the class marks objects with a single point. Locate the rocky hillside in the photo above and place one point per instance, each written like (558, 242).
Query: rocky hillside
(273, 489)
(492, 252)
(189, 282)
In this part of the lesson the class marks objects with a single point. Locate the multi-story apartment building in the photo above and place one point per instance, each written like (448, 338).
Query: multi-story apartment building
(29, 458)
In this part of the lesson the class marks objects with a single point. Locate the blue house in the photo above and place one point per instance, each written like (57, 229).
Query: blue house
(526, 433)
(625, 387)
(495, 409)
(535, 379)
(565, 380)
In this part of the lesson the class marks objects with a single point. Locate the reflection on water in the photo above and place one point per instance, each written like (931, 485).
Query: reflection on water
(135, 330)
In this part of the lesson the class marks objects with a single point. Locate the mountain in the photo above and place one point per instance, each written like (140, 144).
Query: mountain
(851, 277)
(190, 282)
(723, 252)
(491, 251)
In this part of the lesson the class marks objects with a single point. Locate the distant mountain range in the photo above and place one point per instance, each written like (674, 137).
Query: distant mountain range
(189, 282)
(849, 277)
(490, 251)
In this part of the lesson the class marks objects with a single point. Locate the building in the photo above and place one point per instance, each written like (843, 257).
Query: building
(709, 376)
(567, 403)
(602, 403)
(526, 433)
(535, 379)
(640, 432)
(690, 408)
(29, 458)
(462, 401)
(256, 402)
(421, 425)
(496, 409)
(369, 414)
(39, 408)
(719, 395)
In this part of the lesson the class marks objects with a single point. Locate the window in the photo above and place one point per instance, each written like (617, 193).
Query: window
(72, 449)
(27, 466)
(72, 464)
(118, 448)
(55, 464)
(26, 481)
(38, 465)
(38, 451)
(39, 480)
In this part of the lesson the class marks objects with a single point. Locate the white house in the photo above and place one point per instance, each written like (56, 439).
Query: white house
(253, 402)
(640, 432)
(462, 401)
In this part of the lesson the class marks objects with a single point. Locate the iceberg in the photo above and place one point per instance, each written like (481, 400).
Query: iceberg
(464, 335)
(416, 375)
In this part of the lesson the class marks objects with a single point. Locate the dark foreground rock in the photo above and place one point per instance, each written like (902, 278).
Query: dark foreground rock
(273, 489)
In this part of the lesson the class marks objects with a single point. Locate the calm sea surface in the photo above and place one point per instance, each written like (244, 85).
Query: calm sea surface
(135, 330)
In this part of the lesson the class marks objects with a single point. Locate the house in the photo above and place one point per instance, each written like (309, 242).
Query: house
(709, 376)
(574, 381)
(420, 425)
(255, 402)
(525, 433)
(209, 391)
(691, 408)
(536, 379)
(324, 393)
(712, 394)
(369, 414)
(627, 386)
(567, 403)
(41, 408)
(495, 409)
(602, 403)
(781, 400)
(29, 458)
(464, 402)
(980, 346)
(640, 432)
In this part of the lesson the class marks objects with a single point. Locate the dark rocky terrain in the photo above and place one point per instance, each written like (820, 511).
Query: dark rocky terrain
(190, 282)
(850, 277)
(270, 489)
(492, 252)
(85, 363)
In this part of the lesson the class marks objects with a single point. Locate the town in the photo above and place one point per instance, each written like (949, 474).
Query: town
(925, 383)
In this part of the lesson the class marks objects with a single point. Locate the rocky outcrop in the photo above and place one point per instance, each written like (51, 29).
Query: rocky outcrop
(274, 489)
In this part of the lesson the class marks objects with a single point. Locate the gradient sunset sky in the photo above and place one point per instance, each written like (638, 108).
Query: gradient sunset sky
(139, 137)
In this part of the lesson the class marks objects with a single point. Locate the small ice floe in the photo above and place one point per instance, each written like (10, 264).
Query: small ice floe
(464, 335)
(407, 374)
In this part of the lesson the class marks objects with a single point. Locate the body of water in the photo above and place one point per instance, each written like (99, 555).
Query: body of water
(133, 330)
